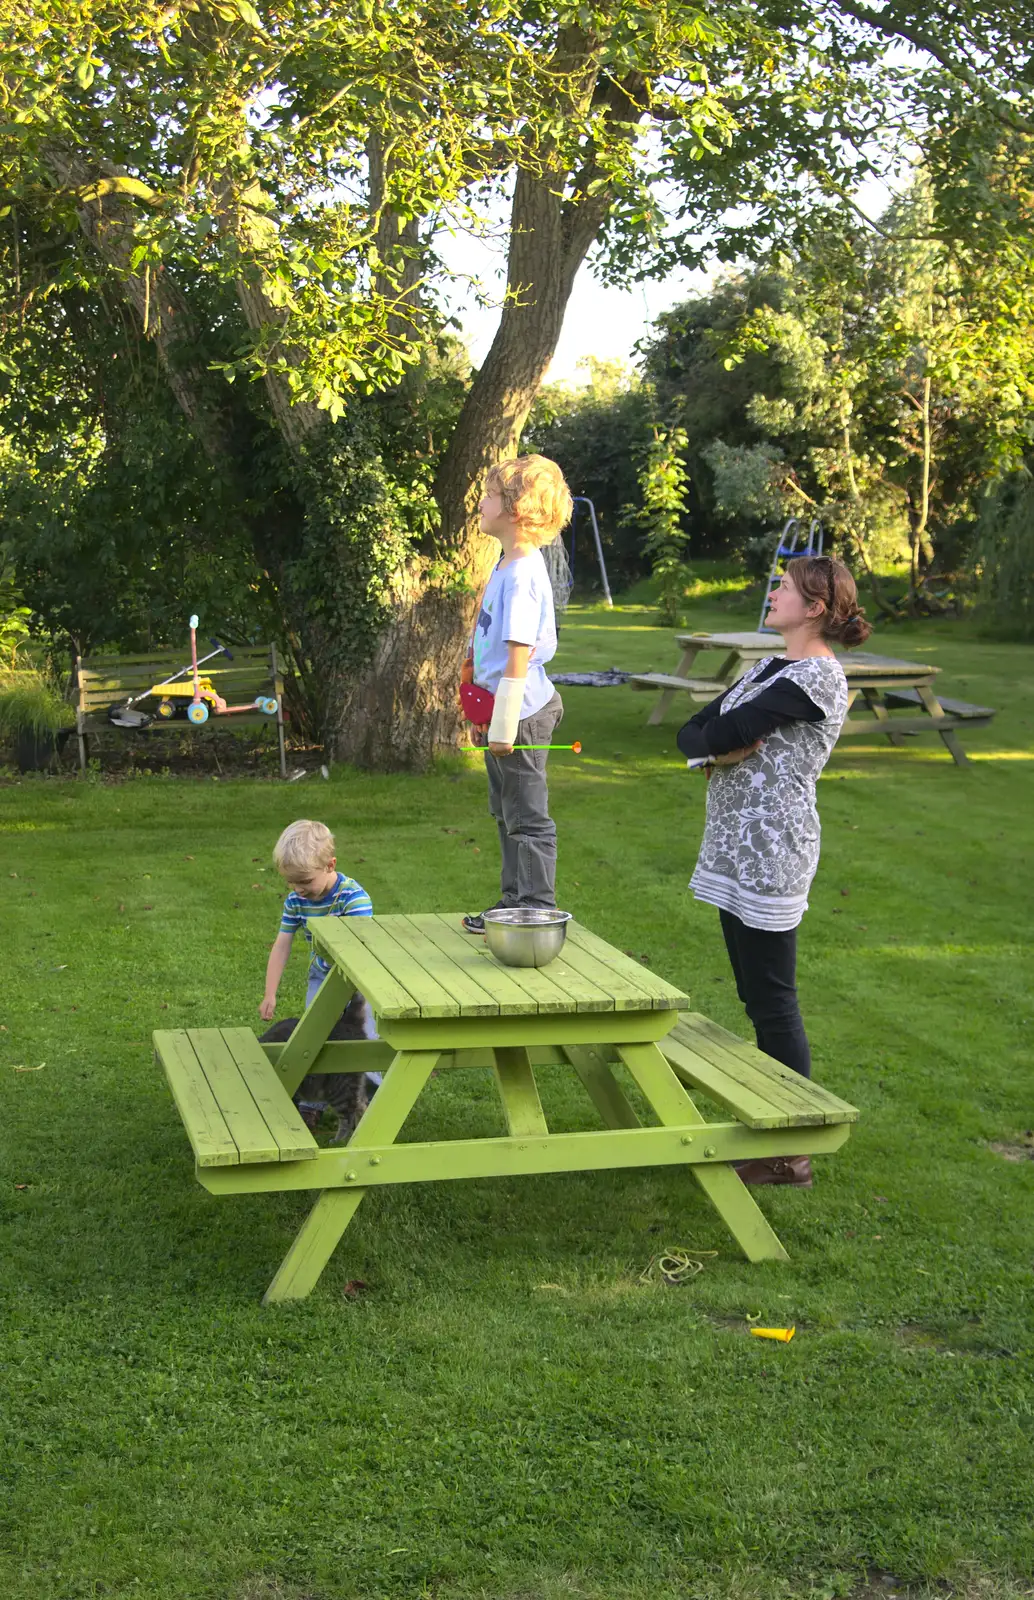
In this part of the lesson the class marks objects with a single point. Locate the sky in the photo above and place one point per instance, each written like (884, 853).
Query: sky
(601, 321)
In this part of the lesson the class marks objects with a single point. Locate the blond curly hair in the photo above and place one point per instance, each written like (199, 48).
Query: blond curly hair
(303, 848)
(534, 492)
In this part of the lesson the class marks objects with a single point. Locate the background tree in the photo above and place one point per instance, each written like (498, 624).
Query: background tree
(596, 432)
(663, 482)
(883, 380)
(257, 192)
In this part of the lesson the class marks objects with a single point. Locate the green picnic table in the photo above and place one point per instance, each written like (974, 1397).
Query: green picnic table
(442, 1001)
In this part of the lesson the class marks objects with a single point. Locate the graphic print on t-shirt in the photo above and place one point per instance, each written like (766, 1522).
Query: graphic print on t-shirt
(517, 607)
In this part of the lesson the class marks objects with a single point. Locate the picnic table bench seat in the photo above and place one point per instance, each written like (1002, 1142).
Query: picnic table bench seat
(759, 1091)
(964, 710)
(230, 1100)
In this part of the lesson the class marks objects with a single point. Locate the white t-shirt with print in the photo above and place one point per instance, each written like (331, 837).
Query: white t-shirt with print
(517, 607)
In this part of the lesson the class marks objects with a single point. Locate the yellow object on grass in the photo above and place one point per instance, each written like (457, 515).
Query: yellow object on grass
(783, 1335)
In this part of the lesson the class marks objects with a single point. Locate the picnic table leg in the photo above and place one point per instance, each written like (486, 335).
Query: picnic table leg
(603, 1088)
(689, 655)
(519, 1093)
(937, 714)
(727, 671)
(381, 1124)
(297, 1058)
(882, 715)
(729, 1196)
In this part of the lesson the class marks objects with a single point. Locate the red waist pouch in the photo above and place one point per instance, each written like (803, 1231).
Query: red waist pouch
(477, 704)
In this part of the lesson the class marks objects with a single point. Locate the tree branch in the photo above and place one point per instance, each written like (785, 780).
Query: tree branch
(966, 74)
(106, 220)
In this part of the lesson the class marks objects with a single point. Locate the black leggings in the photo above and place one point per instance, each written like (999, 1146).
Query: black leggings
(765, 967)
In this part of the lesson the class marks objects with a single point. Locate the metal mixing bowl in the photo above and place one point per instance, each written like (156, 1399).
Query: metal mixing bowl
(526, 936)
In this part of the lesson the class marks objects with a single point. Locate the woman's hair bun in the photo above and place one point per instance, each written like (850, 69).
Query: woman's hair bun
(825, 579)
(852, 629)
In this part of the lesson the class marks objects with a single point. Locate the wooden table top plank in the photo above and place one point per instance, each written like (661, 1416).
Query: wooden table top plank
(567, 972)
(469, 998)
(245, 1121)
(491, 980)
(333, 938)
(859, 663)
(854, 662)
(637, 979)
(210, 1139)
(293, 1139)
(425, 965)
(771, 643)
(543, 985)
(604, 978)
(380, 935)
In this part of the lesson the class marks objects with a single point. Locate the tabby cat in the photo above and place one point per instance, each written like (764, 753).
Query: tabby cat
(346, 1093)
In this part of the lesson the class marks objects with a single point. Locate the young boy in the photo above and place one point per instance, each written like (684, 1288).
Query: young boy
(525, 505)
(304, 857)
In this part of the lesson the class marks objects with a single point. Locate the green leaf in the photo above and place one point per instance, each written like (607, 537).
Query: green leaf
(249, 15)
(84, 74)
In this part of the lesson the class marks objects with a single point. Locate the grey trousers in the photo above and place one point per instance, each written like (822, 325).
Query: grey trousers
(518, 799)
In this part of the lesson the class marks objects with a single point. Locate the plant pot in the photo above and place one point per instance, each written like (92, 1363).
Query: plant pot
(33, 751)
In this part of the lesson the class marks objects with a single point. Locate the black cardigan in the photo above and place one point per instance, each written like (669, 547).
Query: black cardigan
(712, 733)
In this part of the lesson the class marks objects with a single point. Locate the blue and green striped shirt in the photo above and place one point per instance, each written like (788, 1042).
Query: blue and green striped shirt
(345, 898)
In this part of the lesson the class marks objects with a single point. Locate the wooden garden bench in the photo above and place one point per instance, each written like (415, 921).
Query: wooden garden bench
(105, 680)
(705, 688)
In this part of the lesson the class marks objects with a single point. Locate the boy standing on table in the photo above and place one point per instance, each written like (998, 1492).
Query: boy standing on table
(525, 505)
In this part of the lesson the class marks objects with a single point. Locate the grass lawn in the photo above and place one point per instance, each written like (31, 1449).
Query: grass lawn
(508, 1412)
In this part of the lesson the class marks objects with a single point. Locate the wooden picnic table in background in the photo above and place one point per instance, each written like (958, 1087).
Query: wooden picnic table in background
(442, 1000)
(881, 684)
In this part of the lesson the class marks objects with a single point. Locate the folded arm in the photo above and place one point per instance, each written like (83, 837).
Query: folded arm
(712, 732)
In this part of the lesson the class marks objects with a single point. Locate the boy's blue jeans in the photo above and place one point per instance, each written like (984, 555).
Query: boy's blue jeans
(312, 989)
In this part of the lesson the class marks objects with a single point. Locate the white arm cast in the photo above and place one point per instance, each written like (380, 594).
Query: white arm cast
(506, 715)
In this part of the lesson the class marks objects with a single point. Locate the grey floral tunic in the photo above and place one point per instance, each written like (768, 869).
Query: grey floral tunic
(760, 848)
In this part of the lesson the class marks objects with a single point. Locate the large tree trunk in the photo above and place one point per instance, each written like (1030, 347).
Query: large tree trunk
(404, 707)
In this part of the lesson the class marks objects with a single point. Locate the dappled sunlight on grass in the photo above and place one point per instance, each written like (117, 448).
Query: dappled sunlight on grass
(623, 627)
(1001, 755)
(32, 827)
(946, 952)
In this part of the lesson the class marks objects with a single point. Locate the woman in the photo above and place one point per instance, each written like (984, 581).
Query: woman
(768, 738)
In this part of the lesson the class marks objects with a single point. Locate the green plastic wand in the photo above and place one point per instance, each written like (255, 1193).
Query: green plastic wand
(576, 747)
